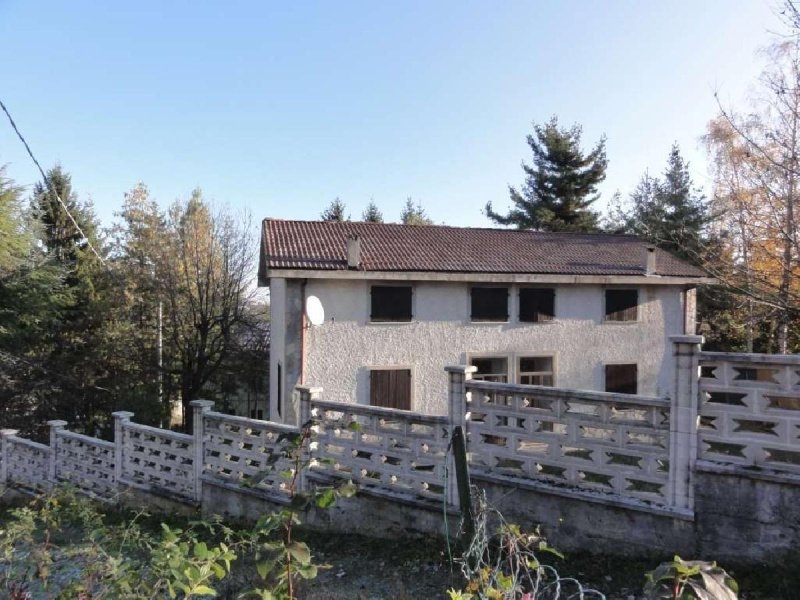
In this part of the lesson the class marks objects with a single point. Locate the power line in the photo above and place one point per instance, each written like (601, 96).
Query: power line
(50, 185)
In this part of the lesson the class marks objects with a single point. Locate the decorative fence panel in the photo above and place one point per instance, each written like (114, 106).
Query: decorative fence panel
(750, 410)
(613, 443)
(247, 452)
(388, 451)
(158, 459)
(28, 464)
(86, 462)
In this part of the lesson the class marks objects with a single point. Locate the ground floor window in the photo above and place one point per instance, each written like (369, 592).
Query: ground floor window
(622, 379)
(535, 370)
(390, 388)
(490, 368)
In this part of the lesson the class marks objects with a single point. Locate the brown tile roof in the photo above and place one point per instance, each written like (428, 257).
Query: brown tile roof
(321, 245)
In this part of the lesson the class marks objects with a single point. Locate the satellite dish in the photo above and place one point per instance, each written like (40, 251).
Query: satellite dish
(314, 311)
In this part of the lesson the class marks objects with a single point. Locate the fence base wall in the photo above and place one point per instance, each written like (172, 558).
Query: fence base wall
(746, 517)
(362, 514)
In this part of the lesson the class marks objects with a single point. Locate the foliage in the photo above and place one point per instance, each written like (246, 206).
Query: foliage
(506, 566)
(62, 546)
(414, 214)
(668, 211)
(561, 184)
(335, 211)
(756, 162)
(371, 214)
(282, 562)
(690, 580)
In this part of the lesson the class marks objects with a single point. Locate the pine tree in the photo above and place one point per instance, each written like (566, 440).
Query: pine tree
(668, 211)
(561, 184)
(371, 214)
(414, 214)
(335, 211)
(60, 236)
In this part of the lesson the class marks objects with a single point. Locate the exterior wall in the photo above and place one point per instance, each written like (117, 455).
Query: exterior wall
(277, 307)
(340, 352)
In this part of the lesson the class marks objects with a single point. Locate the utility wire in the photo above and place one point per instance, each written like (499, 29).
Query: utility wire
(49, 185)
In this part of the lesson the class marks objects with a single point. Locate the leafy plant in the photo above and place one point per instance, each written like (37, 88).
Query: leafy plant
(690, 580)
(281, 562)
(505, 566)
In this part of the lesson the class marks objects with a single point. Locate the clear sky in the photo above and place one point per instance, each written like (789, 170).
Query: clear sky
(280, 107)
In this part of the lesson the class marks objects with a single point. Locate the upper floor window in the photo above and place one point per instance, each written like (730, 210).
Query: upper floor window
(390, 303)
(536, 305)
(489, 303)
(622, 305)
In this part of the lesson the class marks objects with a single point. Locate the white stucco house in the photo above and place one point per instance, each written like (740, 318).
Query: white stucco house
(585, 311)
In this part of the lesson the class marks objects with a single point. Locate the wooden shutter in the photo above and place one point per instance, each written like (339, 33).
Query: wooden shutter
(621, 379)
(536, 304)
(390, 388)
(621, 305)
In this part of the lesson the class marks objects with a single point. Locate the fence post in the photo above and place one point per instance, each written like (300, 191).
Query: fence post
(4, 435)
(683, 420)
(307, 394)
(121, 417)
(199, 410)
(458, 399)
(55, 427)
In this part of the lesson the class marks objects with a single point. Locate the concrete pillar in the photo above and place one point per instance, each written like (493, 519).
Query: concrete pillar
(458, 399)
(55, 427)
(306, 395)
(5, 434)
(683, 420)
(199, 410)
(121, 417)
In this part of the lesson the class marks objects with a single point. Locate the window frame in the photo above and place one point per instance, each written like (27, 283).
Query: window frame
(519, 373)
(492, 356)
(634, 364)
(520, 289)
(637, 317)
(388, 284)
(508, 289)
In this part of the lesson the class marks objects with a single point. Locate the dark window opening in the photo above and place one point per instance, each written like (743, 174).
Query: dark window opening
(491, 369)
(257, 414)
(537, 305)
(621, 305)
(391, 303)
(489, 304)
(621, 379)
(390, 388)
(279, 402)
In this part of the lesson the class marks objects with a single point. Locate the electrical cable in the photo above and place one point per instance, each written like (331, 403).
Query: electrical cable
(50, 185)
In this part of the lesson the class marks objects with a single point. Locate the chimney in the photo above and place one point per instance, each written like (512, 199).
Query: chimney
(650, 261)
(353, 252)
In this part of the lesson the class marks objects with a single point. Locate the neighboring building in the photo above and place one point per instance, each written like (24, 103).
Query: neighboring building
(587, 311)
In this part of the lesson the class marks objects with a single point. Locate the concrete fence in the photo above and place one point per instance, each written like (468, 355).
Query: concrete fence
(553, 451)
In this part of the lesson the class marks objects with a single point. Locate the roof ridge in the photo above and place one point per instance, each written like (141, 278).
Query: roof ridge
(455, 227)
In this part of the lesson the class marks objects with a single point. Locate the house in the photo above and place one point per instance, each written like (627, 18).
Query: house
(585, 311)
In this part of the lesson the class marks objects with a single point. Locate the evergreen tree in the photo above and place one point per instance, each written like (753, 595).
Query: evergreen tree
(670, 212)
(371, 214)
(414, 214)
(561, 184)
(60, 235)
(335, 211)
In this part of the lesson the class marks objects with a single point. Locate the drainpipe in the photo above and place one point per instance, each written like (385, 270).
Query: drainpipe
(303, 327)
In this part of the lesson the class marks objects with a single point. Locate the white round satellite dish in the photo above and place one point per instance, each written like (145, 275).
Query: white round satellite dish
(314, 311)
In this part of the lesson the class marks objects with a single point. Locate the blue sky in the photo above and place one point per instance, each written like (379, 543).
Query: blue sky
(280, 107)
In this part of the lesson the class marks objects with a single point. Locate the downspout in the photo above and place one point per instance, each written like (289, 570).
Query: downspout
(303, 327)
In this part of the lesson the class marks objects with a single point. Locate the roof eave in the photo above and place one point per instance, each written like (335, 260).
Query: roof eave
(484, 277)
